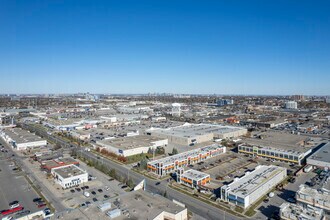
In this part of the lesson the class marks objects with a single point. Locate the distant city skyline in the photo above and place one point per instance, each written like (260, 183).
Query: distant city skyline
(180, 47)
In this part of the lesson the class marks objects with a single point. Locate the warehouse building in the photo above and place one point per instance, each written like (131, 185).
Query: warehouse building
(253, 185)
(190, 134)
(193, 178)
(278, 146)
(69, 176)
(171, 164)
(21, 139)
(319, 198)
(132, 145)
(321, 158)
(289, 211)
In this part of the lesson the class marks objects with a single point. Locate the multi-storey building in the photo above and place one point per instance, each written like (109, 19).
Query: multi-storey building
(253, 185)
(170, 164)
(193, 178)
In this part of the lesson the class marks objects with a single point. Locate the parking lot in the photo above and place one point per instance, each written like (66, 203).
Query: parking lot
(100, 189)
(14, 187)
(267, 208)
(74, 197)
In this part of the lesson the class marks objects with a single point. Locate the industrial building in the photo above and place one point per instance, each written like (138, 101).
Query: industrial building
(190, 134)
(69, 176)
(48, 165)
(290, 211)
(21, 139)
(253, 185)
(133, 145)
(170, 164)
(316, 197)
(278, 146)
(321, 158)
(193, 178)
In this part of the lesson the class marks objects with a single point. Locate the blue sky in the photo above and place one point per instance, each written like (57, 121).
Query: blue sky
(200, 47)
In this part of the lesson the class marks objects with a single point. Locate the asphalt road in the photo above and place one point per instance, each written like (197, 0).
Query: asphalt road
(201, 208)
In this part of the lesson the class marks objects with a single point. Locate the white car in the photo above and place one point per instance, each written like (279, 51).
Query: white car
(14, 205)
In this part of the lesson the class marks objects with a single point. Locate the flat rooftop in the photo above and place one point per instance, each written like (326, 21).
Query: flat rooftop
(142, 205)
(319, 194)
(194, 174)
(250, 182)
(22, 136)
(280, 140)
(69, 171)
(125, 143)
(295, 211)
(185, 155)
(192, 130)
(59, 162)
(323, 154)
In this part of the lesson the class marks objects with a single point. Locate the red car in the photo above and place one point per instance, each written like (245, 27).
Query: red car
(11, 211)
(41, 205)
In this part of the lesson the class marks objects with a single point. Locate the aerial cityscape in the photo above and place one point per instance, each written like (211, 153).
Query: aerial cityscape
(164, 110)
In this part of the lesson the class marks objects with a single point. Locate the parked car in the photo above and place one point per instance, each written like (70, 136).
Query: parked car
(94, 199)
(157, 183)
(13, 203)
(93, 192)
(72, 190)
(41, 205)
(106, 196)
(37, 199)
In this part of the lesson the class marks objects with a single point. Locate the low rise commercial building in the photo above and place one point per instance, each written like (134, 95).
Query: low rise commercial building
(190, 134)
(289, 211)
(193, 178)
(21, 139)
(81, 134)
(321, 158)
(142, 205)
(48, 165)
(69, 176)
(316, 197)
(279, 146)
(132, 145)
(170, 164)
(253, 185)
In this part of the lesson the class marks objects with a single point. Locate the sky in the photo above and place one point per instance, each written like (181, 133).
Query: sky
(200, 47)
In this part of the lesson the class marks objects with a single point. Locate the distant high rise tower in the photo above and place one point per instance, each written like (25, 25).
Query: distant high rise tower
(298, 97)
(327, 100)
(222, 102)
(176, 109)
(291, 105)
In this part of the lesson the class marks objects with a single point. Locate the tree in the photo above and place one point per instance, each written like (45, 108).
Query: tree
(174, 151)
(130, 183)
(143, 164)
(112, 173)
